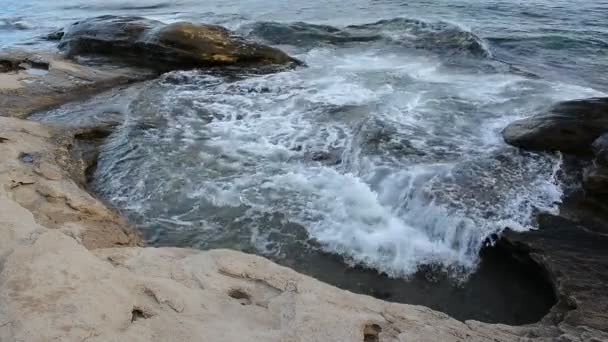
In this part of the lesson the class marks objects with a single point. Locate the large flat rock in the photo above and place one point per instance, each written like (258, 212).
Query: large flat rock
(31, 81)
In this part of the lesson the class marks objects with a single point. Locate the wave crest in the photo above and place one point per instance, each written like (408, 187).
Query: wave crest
(441, 37)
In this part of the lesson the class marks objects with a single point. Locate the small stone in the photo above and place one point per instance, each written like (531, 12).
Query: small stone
(26, 158)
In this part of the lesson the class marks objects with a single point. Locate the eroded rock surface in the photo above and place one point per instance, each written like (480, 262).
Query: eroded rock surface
(31, 82)
(165, 47)
(570, 127)
(40, 171)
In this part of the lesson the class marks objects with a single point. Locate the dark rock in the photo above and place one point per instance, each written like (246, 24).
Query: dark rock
(595, 177)
(595, 180)
(439, 36)
(576, 262)
(303, 34)
(55, 35)
(570, 127)
(325, 157)
(600, 150)
(166, 47)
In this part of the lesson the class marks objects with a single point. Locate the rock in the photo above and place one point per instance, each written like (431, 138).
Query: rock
(576, 261)
(30, 82)
(304, 34)
(45, 184)
(55, 35)
(595, 180)
(570, 127)
(600, 150)
(595, 177)
(164, 47)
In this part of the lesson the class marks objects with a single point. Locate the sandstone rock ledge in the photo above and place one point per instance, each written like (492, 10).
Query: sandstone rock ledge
(59, 282)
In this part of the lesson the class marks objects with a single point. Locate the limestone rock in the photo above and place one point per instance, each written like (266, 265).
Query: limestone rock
(46, 187)
(31, 82)
(166, 47)
(570, 127)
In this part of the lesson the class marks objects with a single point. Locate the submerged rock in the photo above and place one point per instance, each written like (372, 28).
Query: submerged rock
(163, 47)
(304, 34)
(570, 127)
(439, 36)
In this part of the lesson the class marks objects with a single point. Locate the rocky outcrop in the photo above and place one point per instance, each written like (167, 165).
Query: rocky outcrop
(42, 170)
(572, 246)
(576, 260)
(165, 47)
(60, 282)
(570, 127)
(31, 82)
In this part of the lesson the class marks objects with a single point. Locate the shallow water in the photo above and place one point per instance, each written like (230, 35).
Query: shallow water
(385, 152)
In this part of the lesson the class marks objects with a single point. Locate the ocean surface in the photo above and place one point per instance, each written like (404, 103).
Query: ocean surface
(383, 154)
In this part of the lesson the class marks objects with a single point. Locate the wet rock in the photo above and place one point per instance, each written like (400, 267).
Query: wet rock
(576, 262)
(600, 150)
(55, 35)
(304, 34)
(325, 157)
(570, 127)
(440, 36)
(595, 177)
(595, 180)
(164, 47)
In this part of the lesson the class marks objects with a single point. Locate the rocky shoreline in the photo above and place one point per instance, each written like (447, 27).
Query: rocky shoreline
(73, 270)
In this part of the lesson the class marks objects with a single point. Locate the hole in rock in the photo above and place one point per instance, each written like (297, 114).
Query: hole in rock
(371, 333)
(138, 313)
(241, 296)
(3, 140)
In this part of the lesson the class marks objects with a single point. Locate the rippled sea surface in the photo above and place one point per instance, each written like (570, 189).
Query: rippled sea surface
(385, 151)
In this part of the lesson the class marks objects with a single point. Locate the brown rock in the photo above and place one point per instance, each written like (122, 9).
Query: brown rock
(141, 41)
